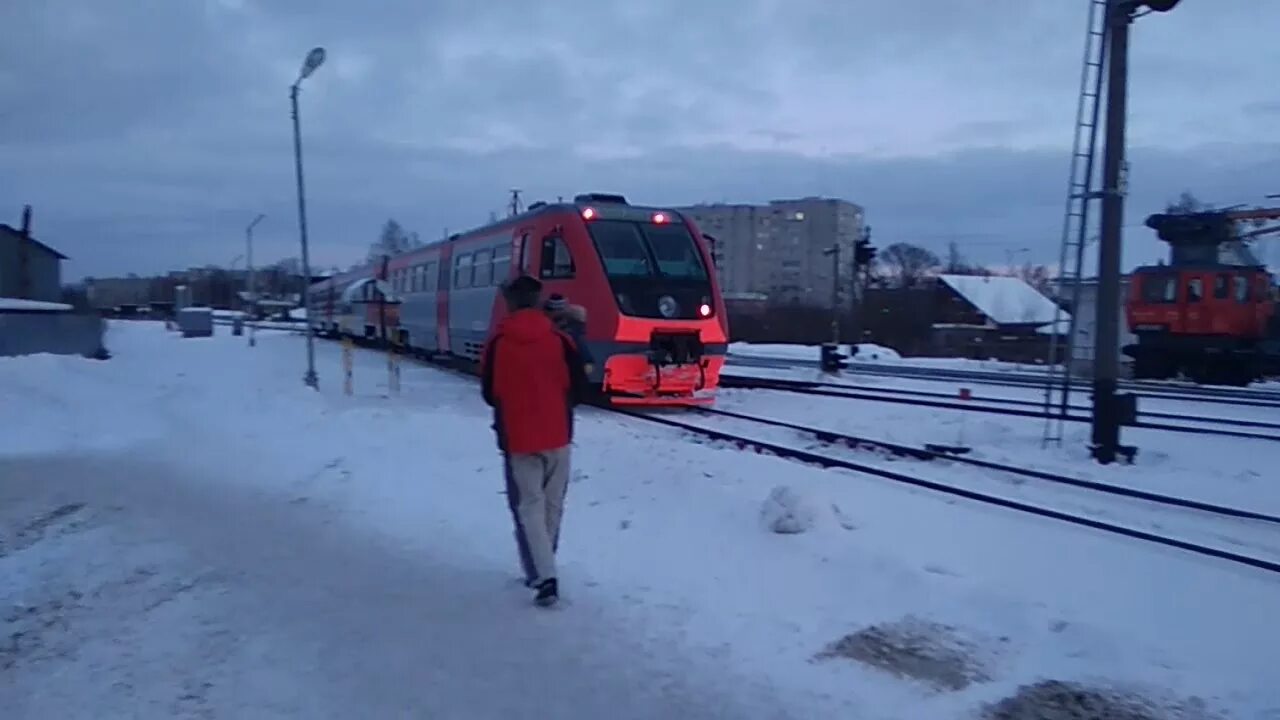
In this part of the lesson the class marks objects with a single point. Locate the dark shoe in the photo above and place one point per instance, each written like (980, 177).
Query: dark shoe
(548, 593)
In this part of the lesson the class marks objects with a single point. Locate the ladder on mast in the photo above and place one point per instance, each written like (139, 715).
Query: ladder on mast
(1081, 192)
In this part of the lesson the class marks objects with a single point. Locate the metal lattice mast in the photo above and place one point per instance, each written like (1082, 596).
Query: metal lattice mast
(1081, 191)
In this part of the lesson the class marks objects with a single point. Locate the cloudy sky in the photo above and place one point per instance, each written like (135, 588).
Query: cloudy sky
(148, 133)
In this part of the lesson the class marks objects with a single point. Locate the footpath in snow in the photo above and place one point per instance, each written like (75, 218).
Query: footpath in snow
(185, 530)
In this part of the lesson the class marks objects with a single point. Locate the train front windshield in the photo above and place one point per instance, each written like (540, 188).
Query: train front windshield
(646, 261)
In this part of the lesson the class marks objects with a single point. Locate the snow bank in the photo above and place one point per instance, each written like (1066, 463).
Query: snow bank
(21, 304)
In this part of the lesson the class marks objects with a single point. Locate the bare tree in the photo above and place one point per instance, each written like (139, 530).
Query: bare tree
(908, 263)
(1186, 203)
(392, 241)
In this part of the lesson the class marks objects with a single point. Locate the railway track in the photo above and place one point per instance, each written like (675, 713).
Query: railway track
(1147, 389)
(832, 461)
(1005, 406)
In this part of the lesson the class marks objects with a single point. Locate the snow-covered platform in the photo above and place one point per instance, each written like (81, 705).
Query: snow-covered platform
(188, 529)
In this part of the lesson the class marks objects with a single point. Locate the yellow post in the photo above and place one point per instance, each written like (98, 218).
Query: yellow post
(348, 361)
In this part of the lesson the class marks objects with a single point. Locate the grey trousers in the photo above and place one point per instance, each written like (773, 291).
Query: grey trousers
(536, 486)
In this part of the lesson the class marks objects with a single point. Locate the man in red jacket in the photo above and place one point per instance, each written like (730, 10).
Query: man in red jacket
(532, 377)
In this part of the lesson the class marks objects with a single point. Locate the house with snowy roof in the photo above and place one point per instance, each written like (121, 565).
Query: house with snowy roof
(993, 316)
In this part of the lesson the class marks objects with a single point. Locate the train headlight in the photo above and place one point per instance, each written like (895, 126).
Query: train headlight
(704, 310)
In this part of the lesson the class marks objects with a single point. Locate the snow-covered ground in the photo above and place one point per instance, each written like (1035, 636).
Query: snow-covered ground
(186, 529)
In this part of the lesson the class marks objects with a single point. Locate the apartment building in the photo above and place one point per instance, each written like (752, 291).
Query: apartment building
(778, 249)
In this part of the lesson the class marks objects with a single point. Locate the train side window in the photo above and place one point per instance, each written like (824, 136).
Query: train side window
(462, 271)
(482, 269)
(556, 261)
(430, 276)
(1221, 286)
(501, 263)
(1242, 288)
(1195, 290)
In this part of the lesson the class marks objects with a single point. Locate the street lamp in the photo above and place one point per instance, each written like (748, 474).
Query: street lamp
(253, 297)
(1109, 409)
(314, 59)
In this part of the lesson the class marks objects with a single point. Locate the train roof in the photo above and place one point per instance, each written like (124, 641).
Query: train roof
(535, 209)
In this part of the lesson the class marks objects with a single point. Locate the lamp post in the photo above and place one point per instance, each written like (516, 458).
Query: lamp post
(1108, 410)
(252, 294)
(314, 59)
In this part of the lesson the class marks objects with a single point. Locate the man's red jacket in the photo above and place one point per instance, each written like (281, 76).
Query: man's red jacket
(532, 377)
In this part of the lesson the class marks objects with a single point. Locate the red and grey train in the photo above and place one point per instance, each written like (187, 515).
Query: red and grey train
(656, 322)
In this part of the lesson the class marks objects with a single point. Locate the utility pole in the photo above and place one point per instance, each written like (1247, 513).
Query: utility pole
(24, 256)
(1106, 360)
(513, 208)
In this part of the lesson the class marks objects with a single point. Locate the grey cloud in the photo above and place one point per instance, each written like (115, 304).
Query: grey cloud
(146, 133)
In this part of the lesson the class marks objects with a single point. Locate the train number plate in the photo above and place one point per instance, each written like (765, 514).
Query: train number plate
(1149, 328)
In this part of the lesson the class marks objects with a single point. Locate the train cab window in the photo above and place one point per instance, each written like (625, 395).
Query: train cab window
(1195, 290)
(1159, 288)
(1221, 286)
(525, 253)
(462, 271)
(1242, 288)
(501, 264)
(556, 262)
(482, 269)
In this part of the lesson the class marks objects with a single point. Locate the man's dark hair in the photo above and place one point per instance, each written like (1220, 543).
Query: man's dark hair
(522, 293)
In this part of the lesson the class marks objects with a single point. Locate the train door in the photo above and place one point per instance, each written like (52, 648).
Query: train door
(1195, 317)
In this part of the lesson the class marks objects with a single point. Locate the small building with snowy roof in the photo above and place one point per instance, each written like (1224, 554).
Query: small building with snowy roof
(993, 316)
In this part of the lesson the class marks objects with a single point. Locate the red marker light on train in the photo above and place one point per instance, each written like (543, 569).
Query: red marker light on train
(659, 218)
(588, 213)
(705, 310)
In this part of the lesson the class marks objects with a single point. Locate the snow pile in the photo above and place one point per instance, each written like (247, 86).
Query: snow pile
(927, 652)
(870, 352)
(788, 512)
(1055, 700)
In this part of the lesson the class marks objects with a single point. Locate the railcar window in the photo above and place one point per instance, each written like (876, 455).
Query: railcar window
(1242, 288)
(1159, 288)
(557, 261)
(433, 277)
(462, 271)
(501, 264)
(1195, 290)
(483, 269)
(1221, 286)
